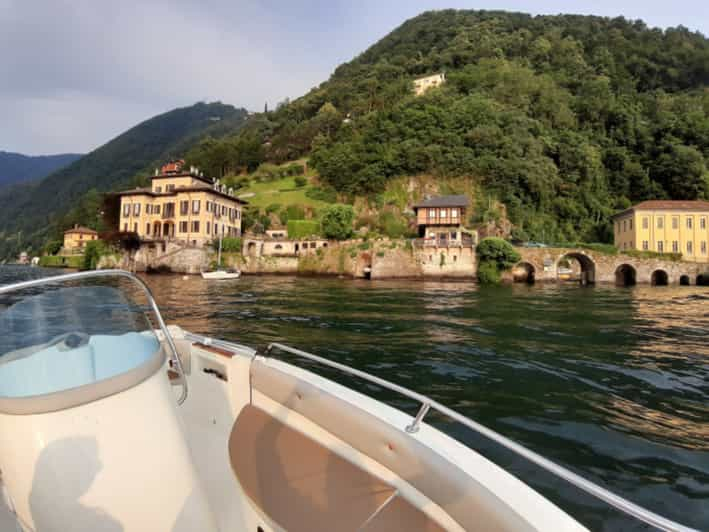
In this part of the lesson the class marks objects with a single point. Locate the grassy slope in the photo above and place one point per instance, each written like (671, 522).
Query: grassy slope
(282, 191)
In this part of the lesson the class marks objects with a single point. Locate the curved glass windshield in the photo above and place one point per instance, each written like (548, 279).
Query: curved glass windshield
(65, 338)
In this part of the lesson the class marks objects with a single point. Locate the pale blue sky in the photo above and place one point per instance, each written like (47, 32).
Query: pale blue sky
(75, 73)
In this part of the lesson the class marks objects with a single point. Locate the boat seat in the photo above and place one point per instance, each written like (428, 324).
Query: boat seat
(466, 500)
(303, 486)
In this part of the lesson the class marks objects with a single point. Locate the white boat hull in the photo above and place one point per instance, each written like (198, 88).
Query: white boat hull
(219, 275)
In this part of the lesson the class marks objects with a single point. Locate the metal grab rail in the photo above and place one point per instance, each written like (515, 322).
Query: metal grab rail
(112, 273)
(427, 403)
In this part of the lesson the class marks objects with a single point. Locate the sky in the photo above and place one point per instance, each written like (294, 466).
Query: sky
(76, 73)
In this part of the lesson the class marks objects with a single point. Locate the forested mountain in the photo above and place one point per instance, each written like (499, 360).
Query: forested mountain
(17, 168)
(30, 213)
(564, 119)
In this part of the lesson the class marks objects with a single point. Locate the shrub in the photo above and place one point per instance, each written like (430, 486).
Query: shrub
(392, 225)
(653, 255)
(52, 247)
(497, 251)
(295, 212)
(294, 169)
(328, 195)
(488, 273)
(229, 244)
(59, 261)
(273, 207)
(303, 228)
(94, 250)
(337, 221)
(300, 181)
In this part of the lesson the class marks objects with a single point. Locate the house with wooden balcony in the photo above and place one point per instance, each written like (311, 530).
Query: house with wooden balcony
(181, 205)
(441, 221)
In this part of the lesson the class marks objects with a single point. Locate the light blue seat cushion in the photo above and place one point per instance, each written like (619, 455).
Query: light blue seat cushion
(53, 370)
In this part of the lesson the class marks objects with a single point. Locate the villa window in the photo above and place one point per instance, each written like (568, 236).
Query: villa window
(169, 188)
(444, 213)
(195, 227)
(208, 228)
(136, 209)
(169, 210)
(675, 222)
(223, 210)
(195, 206)
(703, 247)
(660, 246)
(184, 208)
(125, 228)
(689, 223)
(454, 213)
(689, 247)
(645, 245)
(158, 190)
(183, 227)
(631, 224)
(156, 209)
(238, 214)
(675, 246)
(702, 223)
(135, 227)
(625, 227)
(147, 229)
(646, 222)
(148, 209)
(660, 222)
(126, 210)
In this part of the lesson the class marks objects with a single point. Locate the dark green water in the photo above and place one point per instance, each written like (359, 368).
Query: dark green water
(610, 382)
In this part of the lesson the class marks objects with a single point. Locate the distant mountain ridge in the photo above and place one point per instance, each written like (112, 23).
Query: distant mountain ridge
(18, 168)
(32, 212)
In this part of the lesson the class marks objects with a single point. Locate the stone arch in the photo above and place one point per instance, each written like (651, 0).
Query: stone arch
(588, 266)
(684, 280)
(524, 272)
(168, 229)
(702, 279)
(659, 278)
(625, 275)
(251, 248)
(156, 229)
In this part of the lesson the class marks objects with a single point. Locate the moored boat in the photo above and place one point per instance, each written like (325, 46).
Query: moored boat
(110, 420)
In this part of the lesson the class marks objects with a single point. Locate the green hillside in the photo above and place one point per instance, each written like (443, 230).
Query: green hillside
(17, 168)
(31, 213)
(564, 119)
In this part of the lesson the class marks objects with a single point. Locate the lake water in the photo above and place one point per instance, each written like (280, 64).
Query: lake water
(610, 382)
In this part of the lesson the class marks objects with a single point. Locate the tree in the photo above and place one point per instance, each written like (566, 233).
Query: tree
(337, 221)
(494, 256)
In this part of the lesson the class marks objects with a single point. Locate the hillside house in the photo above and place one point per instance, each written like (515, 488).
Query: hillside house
(441, 221)
(421, 85)
(75, 239)
(181, 205)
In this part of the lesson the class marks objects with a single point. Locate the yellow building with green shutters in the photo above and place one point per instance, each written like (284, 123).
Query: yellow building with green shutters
(665, 226)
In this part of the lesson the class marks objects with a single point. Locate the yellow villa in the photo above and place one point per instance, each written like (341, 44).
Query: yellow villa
(181, 205)
(665, 226)
(76, 238)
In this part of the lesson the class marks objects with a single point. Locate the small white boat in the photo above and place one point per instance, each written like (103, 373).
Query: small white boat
(109, 425)
(221, 273)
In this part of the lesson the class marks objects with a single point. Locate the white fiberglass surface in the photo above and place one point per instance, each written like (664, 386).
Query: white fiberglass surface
(62, 339)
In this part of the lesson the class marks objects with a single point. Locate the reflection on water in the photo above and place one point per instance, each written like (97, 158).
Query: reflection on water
(613, 383)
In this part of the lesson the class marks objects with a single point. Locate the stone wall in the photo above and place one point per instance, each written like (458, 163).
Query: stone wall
(174, 257)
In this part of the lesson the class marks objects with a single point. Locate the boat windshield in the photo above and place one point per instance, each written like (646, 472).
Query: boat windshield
(66, 338)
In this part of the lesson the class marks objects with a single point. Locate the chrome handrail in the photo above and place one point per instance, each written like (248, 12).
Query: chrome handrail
(584, 484)
(112, 273)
